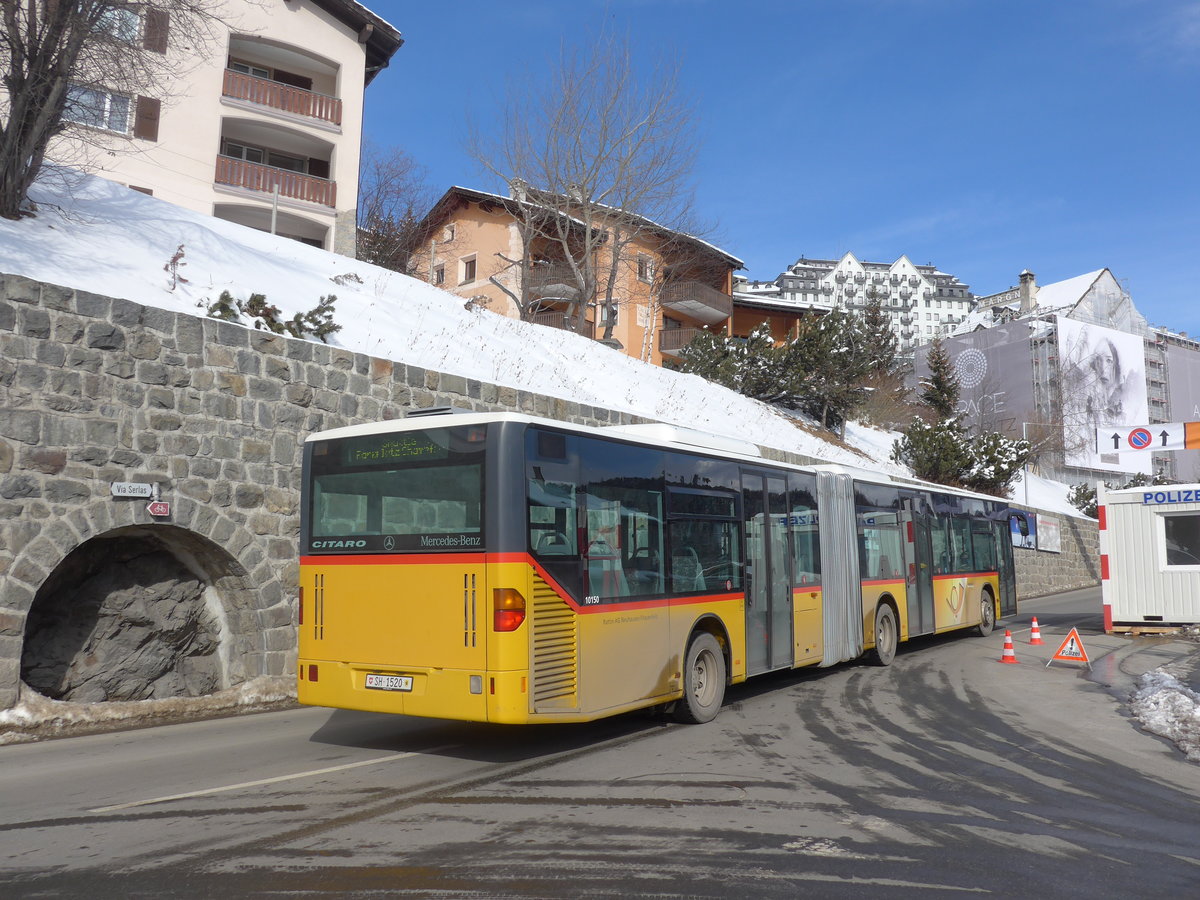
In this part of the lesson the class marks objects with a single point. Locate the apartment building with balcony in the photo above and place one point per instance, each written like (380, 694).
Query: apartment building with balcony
(261, 127)
(921, 301)
(669, 286)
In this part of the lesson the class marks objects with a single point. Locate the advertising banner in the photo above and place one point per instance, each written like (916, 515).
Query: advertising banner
(1049, 534)
(1022, 526)
(995, 373)
(1102, 373)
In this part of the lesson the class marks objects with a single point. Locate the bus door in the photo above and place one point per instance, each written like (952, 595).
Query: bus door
(769, 642)
(918, 556)
(1002, 535)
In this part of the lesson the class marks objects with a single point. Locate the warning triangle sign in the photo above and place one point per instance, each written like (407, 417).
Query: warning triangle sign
(1071, 650)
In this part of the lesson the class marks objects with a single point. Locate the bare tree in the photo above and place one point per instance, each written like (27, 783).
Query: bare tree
(392, 195)
(86, 68)
(598, 162)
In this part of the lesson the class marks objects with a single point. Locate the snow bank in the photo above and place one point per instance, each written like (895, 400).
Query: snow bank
(1166, 708)
(36, 717)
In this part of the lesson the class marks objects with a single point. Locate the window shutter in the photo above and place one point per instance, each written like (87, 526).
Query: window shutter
(155, 37)
(145, 120)
(318, 168)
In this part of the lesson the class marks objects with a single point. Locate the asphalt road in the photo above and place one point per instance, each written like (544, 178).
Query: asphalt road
(946, 773)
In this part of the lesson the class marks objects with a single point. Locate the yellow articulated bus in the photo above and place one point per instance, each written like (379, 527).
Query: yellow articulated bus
(495, 567)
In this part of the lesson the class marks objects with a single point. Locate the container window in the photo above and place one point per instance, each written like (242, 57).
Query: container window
(1183, 540)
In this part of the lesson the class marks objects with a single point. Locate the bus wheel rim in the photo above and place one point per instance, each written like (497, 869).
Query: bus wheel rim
(702, 686)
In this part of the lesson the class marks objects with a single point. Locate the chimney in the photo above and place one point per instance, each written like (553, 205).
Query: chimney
(518, 189)
(1028, 291)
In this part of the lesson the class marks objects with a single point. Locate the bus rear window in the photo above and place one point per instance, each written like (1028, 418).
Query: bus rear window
(400, 492)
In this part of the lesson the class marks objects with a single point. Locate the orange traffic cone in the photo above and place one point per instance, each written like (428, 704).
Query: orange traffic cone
(1009, 656)
(1035, 633)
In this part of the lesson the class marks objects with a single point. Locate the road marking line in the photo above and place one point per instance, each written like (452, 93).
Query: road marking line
(277, 779)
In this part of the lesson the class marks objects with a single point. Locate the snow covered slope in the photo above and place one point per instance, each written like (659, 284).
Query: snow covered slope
(94, 235)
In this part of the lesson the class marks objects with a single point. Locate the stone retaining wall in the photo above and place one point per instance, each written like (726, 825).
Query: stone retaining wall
(1077, 566)
(96, 390)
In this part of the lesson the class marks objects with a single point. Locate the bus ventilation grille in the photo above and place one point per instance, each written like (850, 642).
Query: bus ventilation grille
(555, 650)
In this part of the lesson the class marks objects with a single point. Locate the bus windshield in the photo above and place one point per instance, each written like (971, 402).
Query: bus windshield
(399, 492)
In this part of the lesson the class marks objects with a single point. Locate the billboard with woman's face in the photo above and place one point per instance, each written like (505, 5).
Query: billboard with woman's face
(1102, 374)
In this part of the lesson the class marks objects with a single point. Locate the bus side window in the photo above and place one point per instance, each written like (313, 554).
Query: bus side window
(985, 548)
(705, 556)
(645, 571)
(962, 560)
(802, 522)
(941, 544)
(552, 518)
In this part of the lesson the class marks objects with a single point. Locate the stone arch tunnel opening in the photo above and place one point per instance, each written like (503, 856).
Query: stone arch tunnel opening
(134, 614)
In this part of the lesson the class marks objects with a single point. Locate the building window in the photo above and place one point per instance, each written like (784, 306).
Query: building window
(122, 22)
(448, 234)
(468, 271)
(241, 151)
(439, 275)
(645, 268)
(268, 157)
(97, 108)
(249, 69)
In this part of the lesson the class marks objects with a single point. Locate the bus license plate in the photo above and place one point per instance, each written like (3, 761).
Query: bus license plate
(390, 682)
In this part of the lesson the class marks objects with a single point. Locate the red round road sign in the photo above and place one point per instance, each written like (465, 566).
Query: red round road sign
(1140, 439)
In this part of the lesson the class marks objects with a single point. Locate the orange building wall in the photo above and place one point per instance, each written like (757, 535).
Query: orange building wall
(477, 234)
(482, 234)
(784, 325)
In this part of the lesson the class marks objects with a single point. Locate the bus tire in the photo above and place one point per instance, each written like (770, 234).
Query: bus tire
(987, 613)
(886, 636)
(703, 681)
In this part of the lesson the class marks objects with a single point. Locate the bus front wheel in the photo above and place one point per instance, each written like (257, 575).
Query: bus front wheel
(987, 614)
(703, 681)
(886, 636)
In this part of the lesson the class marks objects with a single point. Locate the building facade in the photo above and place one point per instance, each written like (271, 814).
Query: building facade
(666, 286)
(921, 301)
(1054, 363)
(260, 126)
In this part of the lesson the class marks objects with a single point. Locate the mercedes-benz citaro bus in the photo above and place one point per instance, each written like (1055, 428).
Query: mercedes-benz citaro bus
(496, 567)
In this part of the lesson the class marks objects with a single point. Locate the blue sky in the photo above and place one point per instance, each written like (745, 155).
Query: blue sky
(984, 137)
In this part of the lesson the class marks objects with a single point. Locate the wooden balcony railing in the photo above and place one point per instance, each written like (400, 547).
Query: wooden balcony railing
(283, 97)
(698, 300)
(554, 280)
(294, 185)
(558, 318)
(672, 340)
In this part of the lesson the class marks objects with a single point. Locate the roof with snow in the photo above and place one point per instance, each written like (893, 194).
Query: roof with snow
(1060, 294)
(442, 206)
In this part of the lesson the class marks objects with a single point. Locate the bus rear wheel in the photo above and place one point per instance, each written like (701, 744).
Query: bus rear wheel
(703, 681)
(987, 614)
(886, 636)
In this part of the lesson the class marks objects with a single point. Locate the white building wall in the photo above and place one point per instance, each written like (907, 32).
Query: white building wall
(921, 301)
(180, 166)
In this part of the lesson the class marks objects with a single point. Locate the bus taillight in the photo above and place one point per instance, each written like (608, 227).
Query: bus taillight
(508, 610)
(300, 608)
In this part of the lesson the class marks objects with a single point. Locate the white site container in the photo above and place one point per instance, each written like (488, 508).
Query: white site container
(1150, 555)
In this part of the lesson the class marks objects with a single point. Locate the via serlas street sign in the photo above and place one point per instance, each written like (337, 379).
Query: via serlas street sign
(132, 489)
